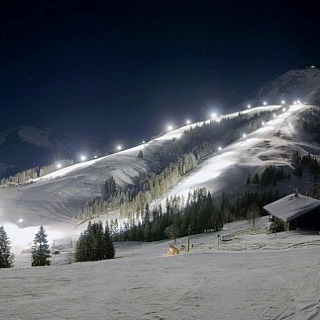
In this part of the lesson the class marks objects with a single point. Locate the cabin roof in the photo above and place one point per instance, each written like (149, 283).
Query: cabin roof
(292, 206)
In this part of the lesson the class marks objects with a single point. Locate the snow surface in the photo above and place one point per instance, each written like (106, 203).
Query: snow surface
(292, 206)
(249, 274)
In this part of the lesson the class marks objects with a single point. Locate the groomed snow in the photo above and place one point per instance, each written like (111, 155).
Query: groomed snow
(249, 275)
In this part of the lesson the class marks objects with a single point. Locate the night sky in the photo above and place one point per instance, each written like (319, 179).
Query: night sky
(123, 70)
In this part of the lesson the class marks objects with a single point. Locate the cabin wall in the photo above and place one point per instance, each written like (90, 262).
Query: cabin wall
(279, 222)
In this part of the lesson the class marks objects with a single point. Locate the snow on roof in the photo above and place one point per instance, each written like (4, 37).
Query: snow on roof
(292, 206)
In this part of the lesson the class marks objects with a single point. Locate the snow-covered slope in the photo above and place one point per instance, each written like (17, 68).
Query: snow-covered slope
(59, 196)
(302, 84)
(228, 171)
(252, 275)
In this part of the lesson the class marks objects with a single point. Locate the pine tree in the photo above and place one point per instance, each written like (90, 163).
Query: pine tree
(110, 188)
(81, 249)
(40, 254)
(6, 258)
(256, 179)
(95, 243)
(109, 251)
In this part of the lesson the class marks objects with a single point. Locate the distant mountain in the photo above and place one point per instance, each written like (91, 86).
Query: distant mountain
(302, 84)
(26, 147)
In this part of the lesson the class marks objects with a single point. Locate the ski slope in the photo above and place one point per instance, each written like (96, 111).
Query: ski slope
(56, 198)
(228, 170)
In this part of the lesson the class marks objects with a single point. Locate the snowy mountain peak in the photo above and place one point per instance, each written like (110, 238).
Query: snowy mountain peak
(303, 84)
(36, 136)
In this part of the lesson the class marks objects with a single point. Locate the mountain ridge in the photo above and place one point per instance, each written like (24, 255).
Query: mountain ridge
(26, 147)
(299, 84)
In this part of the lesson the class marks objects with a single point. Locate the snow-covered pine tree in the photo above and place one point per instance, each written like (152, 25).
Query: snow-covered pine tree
(6, 258)
(40, 254)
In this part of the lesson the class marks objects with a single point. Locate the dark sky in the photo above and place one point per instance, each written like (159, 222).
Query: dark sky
(125, 69)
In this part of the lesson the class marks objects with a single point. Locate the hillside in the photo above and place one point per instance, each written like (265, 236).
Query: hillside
(59, 196)
(272, 144)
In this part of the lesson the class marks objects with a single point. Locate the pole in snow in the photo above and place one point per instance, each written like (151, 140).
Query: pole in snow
(188, 247)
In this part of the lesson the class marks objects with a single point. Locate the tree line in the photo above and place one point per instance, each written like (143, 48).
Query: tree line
(270, 176)
(199, 213)
(305, 163)
(309, 121)
(25, 176)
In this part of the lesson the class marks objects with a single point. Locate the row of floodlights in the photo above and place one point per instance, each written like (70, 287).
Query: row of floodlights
(214, 116)
(282, 102)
